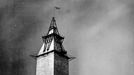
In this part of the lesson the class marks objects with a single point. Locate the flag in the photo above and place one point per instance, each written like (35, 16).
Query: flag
(57, 8)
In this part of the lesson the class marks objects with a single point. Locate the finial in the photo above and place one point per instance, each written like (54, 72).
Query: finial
(53, 23)
(53, 18)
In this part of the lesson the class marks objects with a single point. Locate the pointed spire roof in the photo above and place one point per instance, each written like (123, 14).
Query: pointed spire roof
(53, 40)
(53, 27)
(53, 30)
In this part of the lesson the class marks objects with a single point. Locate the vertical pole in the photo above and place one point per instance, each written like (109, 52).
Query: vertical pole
(56, 10)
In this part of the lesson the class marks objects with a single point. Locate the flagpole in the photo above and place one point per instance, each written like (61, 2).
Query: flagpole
(56, 11)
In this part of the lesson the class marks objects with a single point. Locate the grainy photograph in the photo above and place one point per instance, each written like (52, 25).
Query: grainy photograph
(66, 37)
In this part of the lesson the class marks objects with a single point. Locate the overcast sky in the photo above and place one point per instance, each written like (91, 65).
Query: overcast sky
(99, 33)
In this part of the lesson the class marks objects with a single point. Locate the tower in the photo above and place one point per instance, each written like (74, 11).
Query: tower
(52, 58)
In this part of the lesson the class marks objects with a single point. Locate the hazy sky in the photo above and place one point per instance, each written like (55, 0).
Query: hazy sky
(99, 33)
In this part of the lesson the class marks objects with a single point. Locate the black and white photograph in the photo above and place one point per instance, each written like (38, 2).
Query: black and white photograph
(66, 37)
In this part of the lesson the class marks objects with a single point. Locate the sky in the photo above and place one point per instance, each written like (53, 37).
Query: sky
(99, 33)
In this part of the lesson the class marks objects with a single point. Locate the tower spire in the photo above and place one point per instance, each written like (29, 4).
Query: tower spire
(53, 27)
(52, 41)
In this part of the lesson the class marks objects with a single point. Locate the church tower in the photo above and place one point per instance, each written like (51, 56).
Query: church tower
(52, 58)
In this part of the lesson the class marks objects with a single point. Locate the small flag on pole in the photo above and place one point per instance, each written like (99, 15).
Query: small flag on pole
(56, 10)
